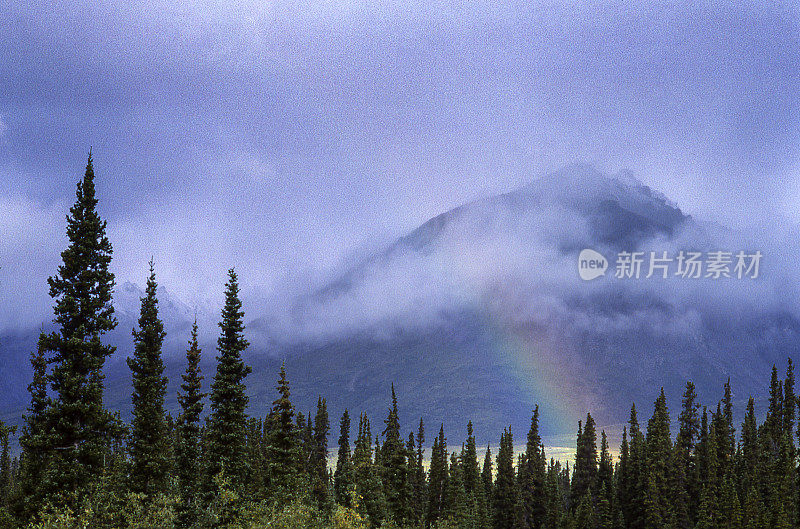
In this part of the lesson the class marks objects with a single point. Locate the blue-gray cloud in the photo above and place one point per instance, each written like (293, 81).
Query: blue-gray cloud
(281, 136)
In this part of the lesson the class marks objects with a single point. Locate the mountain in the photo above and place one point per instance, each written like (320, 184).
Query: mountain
(480, 314)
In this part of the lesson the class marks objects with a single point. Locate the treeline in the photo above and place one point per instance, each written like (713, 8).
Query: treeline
(82, 467)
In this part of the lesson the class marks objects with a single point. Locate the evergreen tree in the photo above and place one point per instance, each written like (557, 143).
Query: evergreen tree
(633, 481)
(282, 449)
(187, 457)
(531, 479)
(458, 509)
(79, 425)
(686, 484)
(369, 489)
(437, 478)
(33, 441)
(659, 460)
(6, 471)
(469, 460)
(343, 476)
(505, 490)
(319, 456)
(147, 442)
(395, 468)
(226, 448)
(585, 475)
(418, 472)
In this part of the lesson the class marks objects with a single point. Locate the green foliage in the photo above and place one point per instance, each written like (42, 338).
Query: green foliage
(282, 445)
(187, 455)
(343, 479)
(226, 441)
(147, 443)
(505, 490)
(78, 425)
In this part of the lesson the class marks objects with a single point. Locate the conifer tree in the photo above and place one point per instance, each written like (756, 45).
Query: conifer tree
(369, 489)
(531, 479)
(659, 452)
(585, 475)
(6, 471)
(458, 509)
(437, 478)
(343, 476)
(33, 441)
(80, 427)
(487, 472)
(226, 444)
(319, 456)
(685, 482)
(395, 468)
(148, 436)
(469, 460)
(187, 454)
(282, 450)
(505, 490)
(633, 479)
(554, 497)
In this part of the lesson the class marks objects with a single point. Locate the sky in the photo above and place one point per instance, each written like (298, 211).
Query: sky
(288, 138)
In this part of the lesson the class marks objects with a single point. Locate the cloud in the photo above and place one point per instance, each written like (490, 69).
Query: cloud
(280, 136)
(29, 250)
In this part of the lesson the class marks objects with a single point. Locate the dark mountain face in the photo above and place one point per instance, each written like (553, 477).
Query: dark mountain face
(479, 314)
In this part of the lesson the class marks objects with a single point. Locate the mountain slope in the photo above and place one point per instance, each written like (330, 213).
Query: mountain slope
(480, 314)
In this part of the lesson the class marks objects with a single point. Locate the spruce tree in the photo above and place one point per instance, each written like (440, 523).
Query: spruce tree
(6, 471)
(416, 450)
(228, 420)
(505, 490)
(283, 449)
(79, 426)
(437, 478)
(319, 456)
(343, 476)
(148, 436)
(585, 475)
(686, 486)
(395, 468)
(659, 460)
(190, 399)
(469, 460)
(369, 490)
(33, 441)
(531, 479)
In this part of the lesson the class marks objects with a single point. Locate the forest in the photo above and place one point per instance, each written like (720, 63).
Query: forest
(213, 466)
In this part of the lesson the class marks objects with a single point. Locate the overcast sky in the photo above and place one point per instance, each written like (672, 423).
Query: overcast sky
(284, 137)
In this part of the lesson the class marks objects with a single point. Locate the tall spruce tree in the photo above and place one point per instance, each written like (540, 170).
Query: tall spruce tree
(282, 445)
(531, 479)
(79, 426)
(187, 454)
(147, 444)
(319, 456)
(437, 478)
(659, 459)
(343, 475)
(585, 475)
(686, 486)
(395, 467)
(469, 460)
(226, 447)
(505, 489)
